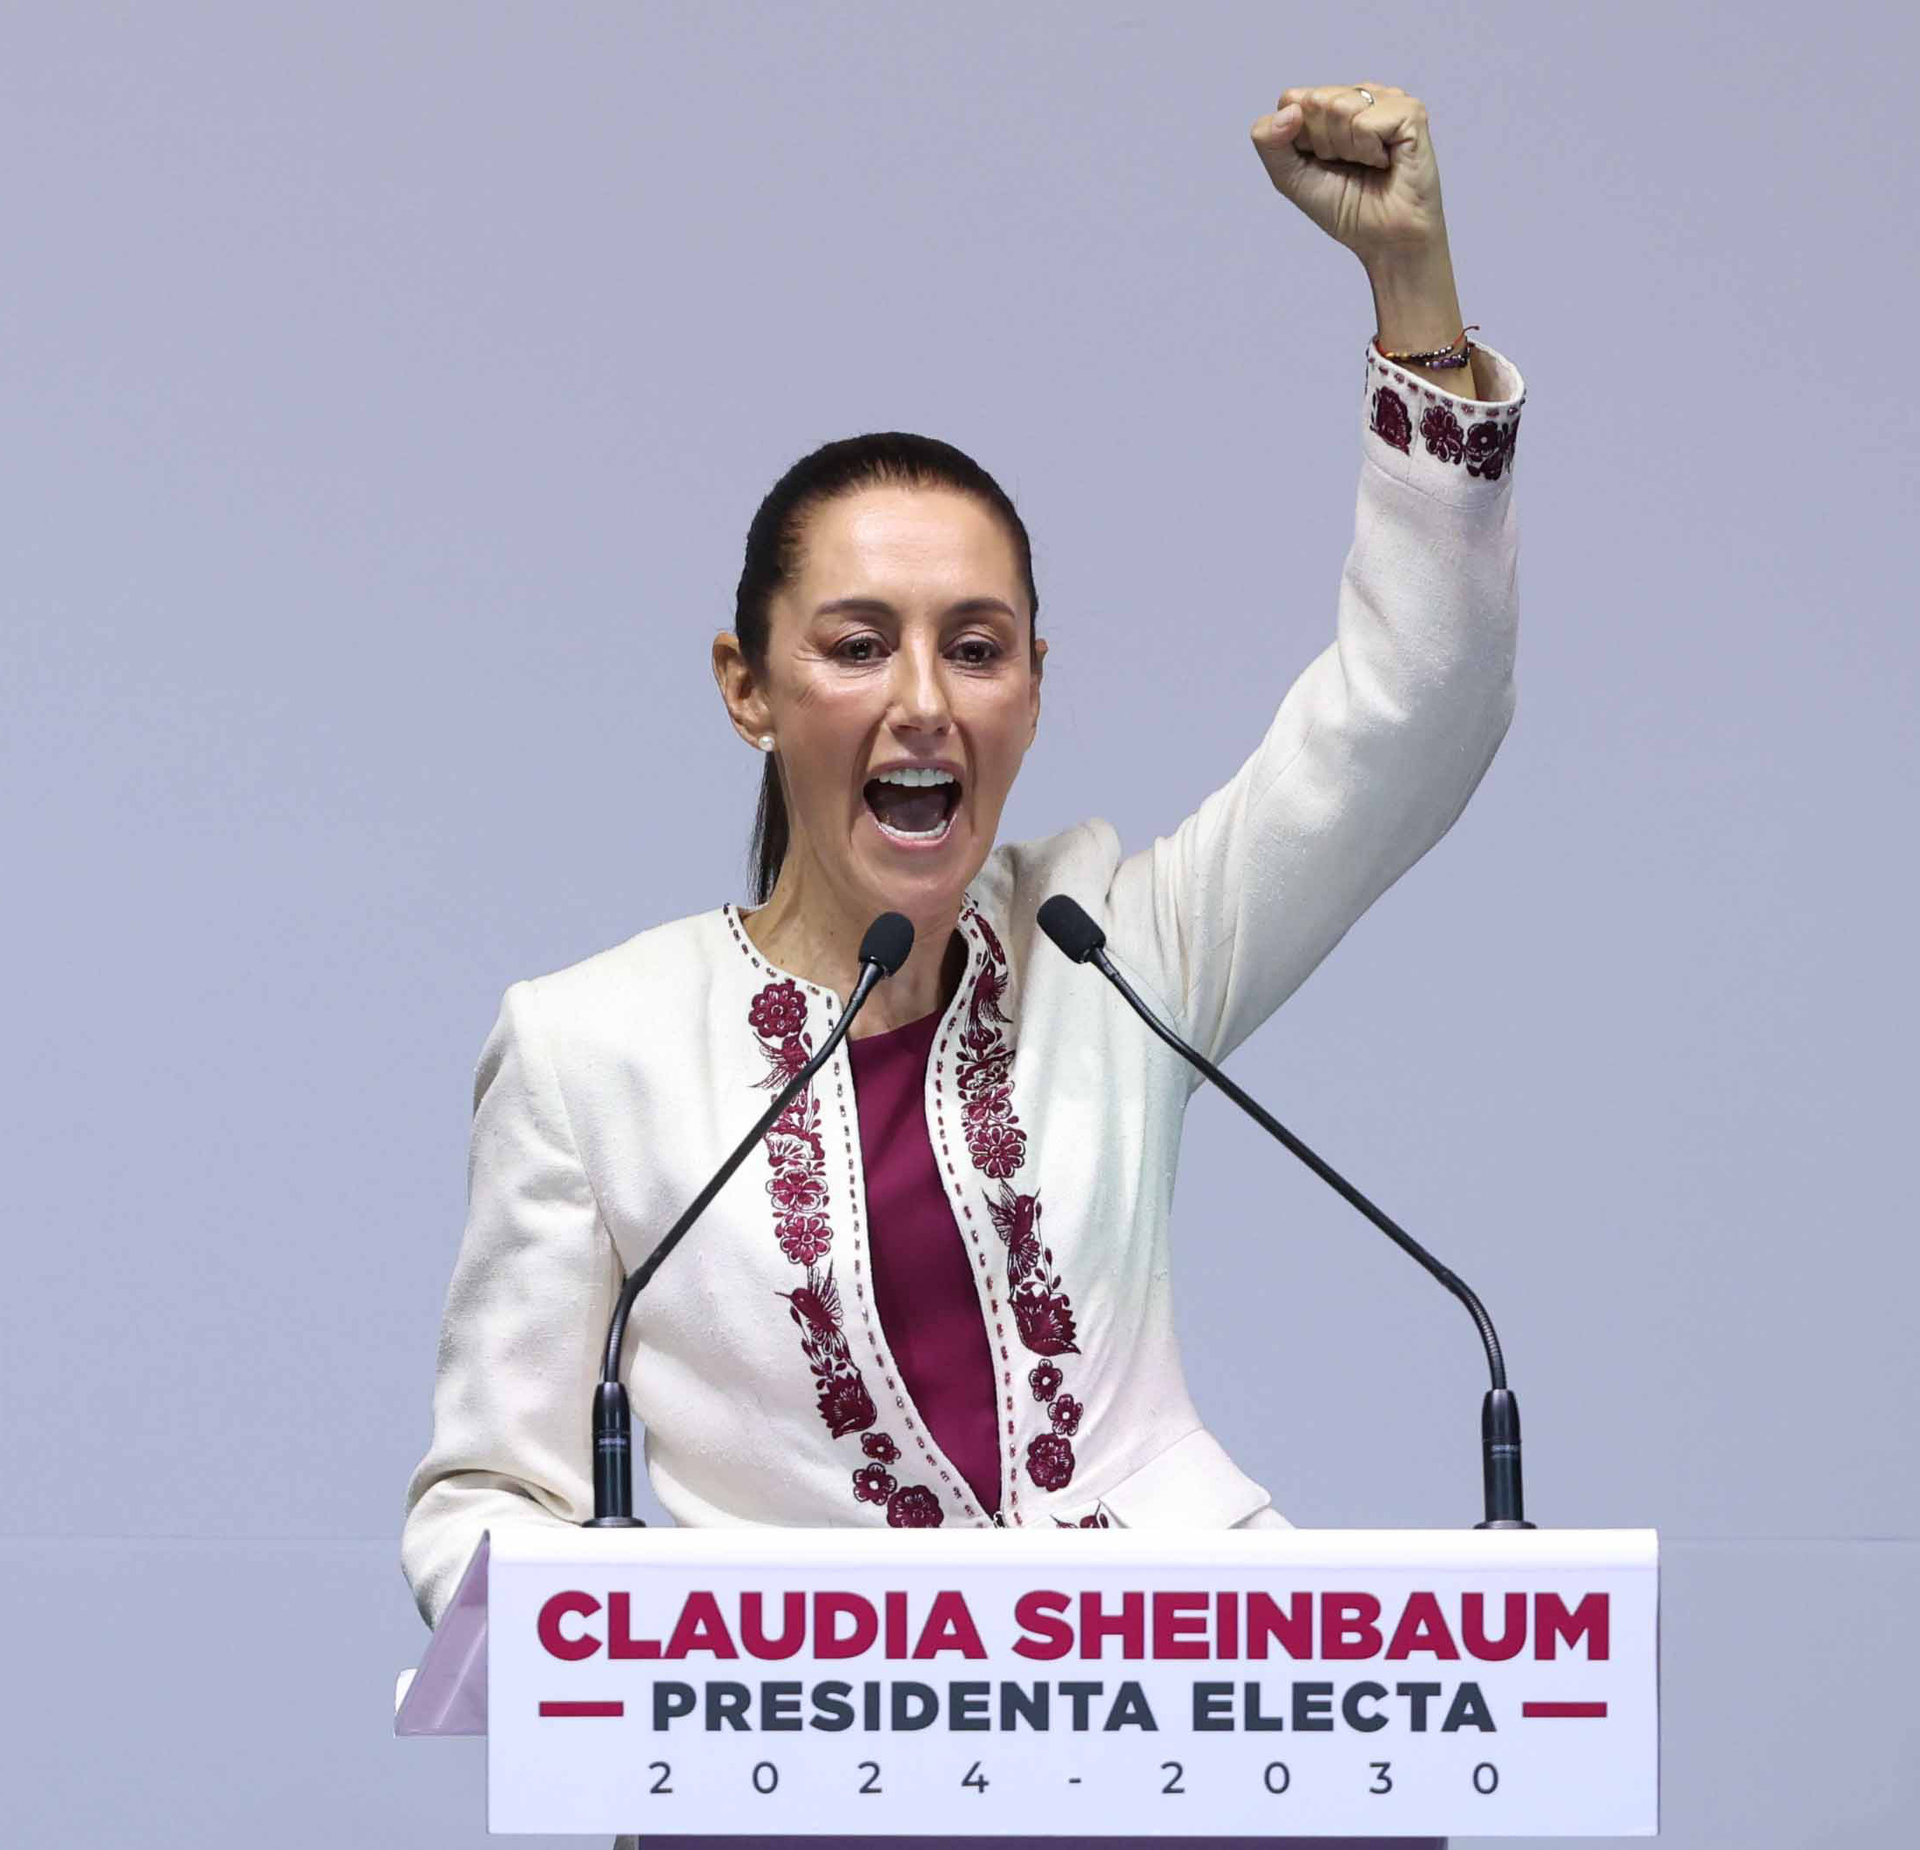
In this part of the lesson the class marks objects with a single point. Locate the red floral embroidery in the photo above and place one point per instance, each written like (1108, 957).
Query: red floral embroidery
(991, 1106)
(1066, 1414)
(798, 1187)
(914, 1506)
(797, 1192)
(778, 1011)
(1050, 1461)
(873, 1484)
(1098, 1520)
(1440, 430)
(1040, 1305)
(1486, 446)
(1390, 420)
(1489, 445)
(804, 1237)
(799, 1184)
(845, 1404)
(999, 1149)
(1042, 1310)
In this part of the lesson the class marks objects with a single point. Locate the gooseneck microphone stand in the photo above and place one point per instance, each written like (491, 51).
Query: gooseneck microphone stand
(1069, 926)
(882, 951)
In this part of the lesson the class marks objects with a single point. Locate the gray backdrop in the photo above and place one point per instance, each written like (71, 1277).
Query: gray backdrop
(387, 389)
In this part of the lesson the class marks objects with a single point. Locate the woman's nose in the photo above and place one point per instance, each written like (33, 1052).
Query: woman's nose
(919, 691)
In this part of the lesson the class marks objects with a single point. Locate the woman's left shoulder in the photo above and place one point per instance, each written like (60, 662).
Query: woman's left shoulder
(1017, 876)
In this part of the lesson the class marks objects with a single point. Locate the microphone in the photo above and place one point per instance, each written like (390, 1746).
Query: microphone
(1068, 925)
(882, 951)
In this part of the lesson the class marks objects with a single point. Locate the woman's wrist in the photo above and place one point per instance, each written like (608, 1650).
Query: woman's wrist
(1416, 308)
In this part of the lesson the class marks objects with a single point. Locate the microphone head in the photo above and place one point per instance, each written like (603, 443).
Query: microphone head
(889, 938)
(1067, 924)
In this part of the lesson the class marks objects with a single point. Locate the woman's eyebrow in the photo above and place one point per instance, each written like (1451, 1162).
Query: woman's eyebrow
(837, 606)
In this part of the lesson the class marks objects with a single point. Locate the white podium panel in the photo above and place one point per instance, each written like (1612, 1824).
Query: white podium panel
(1080, 1683)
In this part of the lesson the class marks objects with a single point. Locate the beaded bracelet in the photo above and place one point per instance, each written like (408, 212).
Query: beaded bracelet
(1458, 353)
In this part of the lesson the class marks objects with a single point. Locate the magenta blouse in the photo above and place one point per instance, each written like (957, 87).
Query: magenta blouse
(928, 1306)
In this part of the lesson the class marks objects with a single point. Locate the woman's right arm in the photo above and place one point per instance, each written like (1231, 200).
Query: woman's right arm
(524, 1330)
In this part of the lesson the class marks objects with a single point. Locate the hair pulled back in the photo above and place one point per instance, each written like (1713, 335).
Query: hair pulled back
(775, 541)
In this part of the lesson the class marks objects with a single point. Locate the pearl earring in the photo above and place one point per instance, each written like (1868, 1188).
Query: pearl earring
(766, 741)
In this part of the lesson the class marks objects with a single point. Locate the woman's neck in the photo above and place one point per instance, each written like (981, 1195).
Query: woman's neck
(821, 943)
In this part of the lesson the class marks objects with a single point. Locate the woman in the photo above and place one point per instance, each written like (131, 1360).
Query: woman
(941, 1297)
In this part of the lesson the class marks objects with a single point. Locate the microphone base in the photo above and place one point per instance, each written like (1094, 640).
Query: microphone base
(634, 1522)
(1506, 1522)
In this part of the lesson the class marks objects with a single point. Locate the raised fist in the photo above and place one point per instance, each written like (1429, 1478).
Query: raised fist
(1364, 172)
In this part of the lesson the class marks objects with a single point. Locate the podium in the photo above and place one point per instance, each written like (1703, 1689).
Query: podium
(1274, 1683)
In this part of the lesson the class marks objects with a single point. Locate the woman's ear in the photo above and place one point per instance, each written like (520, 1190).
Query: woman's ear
(740, 688)
(1033, 687)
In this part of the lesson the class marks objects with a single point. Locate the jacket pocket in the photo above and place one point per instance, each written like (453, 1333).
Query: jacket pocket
(1193, 1484)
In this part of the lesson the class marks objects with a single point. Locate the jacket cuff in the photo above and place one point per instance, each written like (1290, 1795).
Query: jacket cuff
(1453, 447)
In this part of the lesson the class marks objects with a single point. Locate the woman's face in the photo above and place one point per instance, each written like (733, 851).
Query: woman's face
(902, 649)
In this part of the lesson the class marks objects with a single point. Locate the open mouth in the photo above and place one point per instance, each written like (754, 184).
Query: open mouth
(913, 806)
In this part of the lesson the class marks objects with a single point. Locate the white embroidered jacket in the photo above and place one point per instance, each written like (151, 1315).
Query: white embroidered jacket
(607, 1093)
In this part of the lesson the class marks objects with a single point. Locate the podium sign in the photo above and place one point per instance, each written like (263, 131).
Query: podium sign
(1084, 1682)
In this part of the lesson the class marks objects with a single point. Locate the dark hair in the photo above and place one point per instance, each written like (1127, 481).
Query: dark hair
(878, 459)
